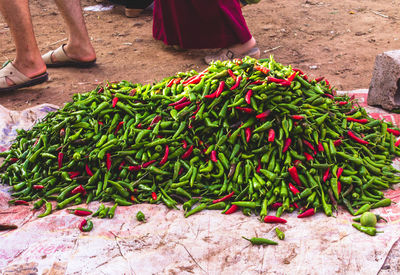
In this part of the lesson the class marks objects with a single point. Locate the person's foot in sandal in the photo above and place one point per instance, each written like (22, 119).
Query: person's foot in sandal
(11, 78)
(236, 51)
(68, 56)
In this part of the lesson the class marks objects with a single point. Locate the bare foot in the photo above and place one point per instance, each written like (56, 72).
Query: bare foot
(78, 53)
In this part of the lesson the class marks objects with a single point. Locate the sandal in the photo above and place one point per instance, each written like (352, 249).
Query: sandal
(62, 60)
(20, 80)
(227, 54)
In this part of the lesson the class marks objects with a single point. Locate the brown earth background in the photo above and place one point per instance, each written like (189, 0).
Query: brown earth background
(335, 39)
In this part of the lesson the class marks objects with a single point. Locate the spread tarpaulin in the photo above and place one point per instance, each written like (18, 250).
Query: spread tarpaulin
(205, 243)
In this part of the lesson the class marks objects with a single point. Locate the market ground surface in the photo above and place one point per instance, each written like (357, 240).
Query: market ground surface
(335, 39)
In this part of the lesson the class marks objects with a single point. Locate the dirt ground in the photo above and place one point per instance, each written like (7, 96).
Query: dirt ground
(335, 39)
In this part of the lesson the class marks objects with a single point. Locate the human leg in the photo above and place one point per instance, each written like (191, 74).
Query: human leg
(79, 48)
(28, 60)
(246, 45)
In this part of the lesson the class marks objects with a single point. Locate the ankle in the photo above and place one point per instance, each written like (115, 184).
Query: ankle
(30, 67)
(80, 51)
(242, 48)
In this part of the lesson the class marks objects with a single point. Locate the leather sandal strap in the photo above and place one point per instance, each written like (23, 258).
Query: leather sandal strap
(58, 54)
(10, 72)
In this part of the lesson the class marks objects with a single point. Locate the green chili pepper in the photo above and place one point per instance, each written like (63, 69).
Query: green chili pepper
(260, 241)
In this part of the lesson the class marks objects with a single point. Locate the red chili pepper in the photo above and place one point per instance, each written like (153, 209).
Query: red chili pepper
(262, 69)
(295, 205)
(319, 79)
(394, 132)
(38, 187)
(339, 187)
(297, 117)
(212, 95)
(397, 143)
(192, 80)
(134, 168)
(165, 157)
(188, 152)
(170, 83)
(248, 96)
(263, 116)
(362, 121)
(100, 123)
(182, 105)
(245, 110)
(78, 189)
(286, 83)
(60, 159)
(305, 77)
(227, 197)
(327, 82)
(155, 120)
(73, 175)
(177, 80)
(62, 132)
(276, 205)
(339, 172)
(308, 156)
(184, 144)
(297, 162)
(287, 144)
(247, 132)
(341, 103)
(273, 219)
(291, 77)
(326, 175)
(114, 101)
(230, 72)
(213, 156)
(81, 213)
(275, 80)
(183, 99)
(237, 83)
(355, 138)
(257, 82)
(121, 166)
(293, 173)
(195, 112)
(271, 135)
(329, 96)
(307, 213)
(154, 195)
(298, 70)
(292, 188)
(88, 171)
(232, 209)
(147, 164)
(82, 224)
(100, 90)
(108, 161)
(220, 88)
(336, 143)
(21, 202)
(309, 145)
(118, 127)
(259, 166)
(320, 147)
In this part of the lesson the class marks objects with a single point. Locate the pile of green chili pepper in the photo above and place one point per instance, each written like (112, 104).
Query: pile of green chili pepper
(246, 134)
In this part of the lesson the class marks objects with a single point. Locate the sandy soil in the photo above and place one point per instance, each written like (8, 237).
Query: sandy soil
(335, 39)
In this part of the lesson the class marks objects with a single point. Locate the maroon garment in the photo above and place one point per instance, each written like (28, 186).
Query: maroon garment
(199, 24)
